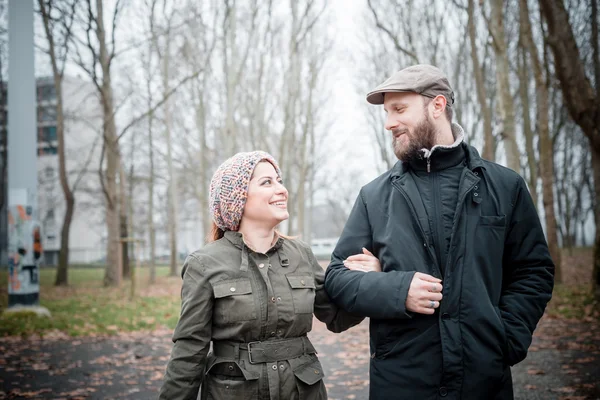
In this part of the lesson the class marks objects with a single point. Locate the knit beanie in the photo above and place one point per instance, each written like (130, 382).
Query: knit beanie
(229, 187)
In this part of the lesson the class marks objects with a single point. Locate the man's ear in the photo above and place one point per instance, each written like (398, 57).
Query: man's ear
(438, 105)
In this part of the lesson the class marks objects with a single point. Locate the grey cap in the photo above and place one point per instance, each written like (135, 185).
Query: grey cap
(423, 79)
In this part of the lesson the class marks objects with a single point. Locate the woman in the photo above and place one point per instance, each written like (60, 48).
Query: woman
(252, 292)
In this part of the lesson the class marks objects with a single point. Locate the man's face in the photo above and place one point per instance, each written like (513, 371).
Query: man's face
(408, 120)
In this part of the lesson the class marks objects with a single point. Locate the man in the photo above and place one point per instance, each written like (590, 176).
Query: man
(466, 268)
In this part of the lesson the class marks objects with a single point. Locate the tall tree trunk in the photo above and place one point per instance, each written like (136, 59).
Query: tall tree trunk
(123, 222)
(230, 57)
(579, 97)
(489, 146)
(151, 228)
(505, 102)
(112, 276)
(596, 266)
(62, 274)
(546, 146)
(527, 131)
(172, 188)
(203, 157)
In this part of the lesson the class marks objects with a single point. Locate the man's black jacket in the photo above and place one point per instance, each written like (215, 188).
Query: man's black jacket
(497, 281)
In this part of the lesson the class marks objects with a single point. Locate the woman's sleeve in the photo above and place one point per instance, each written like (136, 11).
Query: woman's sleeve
(185, 370)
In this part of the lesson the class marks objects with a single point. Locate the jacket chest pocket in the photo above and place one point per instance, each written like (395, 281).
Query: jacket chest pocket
(303, 292)
(233, 301)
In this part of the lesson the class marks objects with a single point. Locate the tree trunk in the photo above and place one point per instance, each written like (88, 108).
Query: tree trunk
(123, 223)
(505, 102)
(112, 276)
(596, 265)
(151, 228)
(527, 131)
(62, 274)
(579, 98)
(546, 147)
(172, 188)
(489, 146)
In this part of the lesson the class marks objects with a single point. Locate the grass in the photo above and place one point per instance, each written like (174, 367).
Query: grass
(87, 308)
(573, 302)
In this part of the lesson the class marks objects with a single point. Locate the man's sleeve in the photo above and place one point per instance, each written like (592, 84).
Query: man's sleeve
(528, 275)
(379, 295)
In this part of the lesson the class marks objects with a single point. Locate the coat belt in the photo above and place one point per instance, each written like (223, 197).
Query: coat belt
(265, 351)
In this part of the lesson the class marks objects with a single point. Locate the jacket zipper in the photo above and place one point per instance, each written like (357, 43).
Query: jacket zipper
(457, 215)
(414, 214)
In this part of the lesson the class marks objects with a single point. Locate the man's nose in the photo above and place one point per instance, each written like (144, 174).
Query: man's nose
(390, 123)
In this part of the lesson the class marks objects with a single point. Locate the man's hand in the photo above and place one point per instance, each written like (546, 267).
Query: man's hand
(424, 294)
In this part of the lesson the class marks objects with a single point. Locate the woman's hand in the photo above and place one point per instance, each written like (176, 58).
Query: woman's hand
(365, 262)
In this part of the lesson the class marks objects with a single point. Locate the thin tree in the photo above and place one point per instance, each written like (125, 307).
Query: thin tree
(58, 49)
(546, 148)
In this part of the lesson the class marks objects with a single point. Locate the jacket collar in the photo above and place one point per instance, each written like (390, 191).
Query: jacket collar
(474, 161)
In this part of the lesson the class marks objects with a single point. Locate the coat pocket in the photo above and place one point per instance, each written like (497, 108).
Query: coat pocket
(234, 301)
(504, 343)
(227, 380)
(303, 293)
(309, 377)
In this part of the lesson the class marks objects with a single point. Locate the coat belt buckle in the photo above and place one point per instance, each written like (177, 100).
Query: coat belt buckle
(250, 351)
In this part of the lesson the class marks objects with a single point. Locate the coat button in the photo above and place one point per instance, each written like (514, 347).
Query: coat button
(302, 282)
(281, 366)
(273, 299)
(261, 265)
(279, 299)
(274, 367)
(272, 333)
(475, 194)
(316, 371)
(232, 289)
(231, 367)
(443, 391)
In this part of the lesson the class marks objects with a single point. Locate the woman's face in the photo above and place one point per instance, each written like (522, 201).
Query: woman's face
(267, 197)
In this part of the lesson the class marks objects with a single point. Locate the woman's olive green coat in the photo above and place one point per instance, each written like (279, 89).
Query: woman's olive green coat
(231, 293)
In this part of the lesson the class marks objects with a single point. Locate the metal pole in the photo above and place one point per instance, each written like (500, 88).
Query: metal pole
(24, 231)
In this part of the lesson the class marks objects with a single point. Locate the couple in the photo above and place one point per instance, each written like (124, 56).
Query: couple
(444, 253)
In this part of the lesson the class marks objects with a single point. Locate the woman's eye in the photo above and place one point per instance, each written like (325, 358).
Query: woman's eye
(266, 182)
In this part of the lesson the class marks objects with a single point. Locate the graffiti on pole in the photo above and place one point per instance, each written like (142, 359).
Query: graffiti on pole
(24, 255)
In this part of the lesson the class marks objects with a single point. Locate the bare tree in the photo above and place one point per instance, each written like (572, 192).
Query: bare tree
(546, 148)
(489, 145)
(97, 64)
(55, 19)
(505, 102)
(580, 97)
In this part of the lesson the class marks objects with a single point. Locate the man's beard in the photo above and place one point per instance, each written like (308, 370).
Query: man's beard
(422, 137)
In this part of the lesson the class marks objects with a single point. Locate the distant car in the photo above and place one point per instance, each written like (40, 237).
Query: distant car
(322, 248)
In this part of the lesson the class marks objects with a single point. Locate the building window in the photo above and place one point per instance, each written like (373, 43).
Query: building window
(47, 113)
(47, 150)
(46, 93)
(47, 134)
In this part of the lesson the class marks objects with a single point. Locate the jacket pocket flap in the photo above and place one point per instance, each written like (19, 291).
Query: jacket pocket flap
(231, 288)
(492, 220)
(301, 281)
(310, 373)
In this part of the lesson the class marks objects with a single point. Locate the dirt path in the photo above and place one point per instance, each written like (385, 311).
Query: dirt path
(563, 364)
